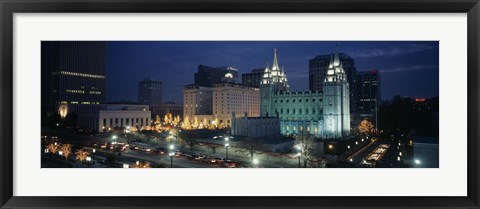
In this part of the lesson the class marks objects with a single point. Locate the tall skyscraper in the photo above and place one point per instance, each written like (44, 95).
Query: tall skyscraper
(254, 78)
(73, 72)
(318, 67)
(150, 92)
(368, 94)
(207, 76)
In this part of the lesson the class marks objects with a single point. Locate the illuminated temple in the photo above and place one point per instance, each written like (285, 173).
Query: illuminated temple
(324, 114)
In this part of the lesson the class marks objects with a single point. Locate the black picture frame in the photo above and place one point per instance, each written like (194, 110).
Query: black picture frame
(10, 7)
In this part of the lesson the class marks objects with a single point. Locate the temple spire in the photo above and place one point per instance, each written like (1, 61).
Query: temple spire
(275, 61)
(331, 61)
(336, 61)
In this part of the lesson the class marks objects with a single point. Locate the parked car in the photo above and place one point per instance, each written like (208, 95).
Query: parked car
(191, 157)
(200, 157)
(216, 160)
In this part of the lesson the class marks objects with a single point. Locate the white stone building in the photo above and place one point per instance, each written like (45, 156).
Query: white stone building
(109, 116)
(325, 114)
(197, 100)
(216, 104)
(255, 126)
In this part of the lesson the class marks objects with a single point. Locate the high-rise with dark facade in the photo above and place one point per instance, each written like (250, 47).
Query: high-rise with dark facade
(207, 76)
(254, 78)
(318, 69)
(150, 92)
(73, 72)
(368, 94)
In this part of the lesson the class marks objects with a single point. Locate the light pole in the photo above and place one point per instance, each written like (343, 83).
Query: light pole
(171, 154)
(89, 160)
(226, 147)
(299, 155)
(255, 162)
(114, 142)
(330, 146)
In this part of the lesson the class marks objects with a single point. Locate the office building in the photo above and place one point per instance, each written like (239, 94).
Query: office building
(197, 100)
(72, 74)
(150, 92)
(368, 95)
(207, 76)
(254, 78)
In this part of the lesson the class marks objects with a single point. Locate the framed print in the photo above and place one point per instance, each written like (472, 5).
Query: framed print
(195, 104)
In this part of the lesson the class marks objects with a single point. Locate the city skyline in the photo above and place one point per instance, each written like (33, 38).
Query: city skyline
(274, 122)
(412, 62)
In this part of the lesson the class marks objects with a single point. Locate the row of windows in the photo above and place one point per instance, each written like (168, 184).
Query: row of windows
(313, 100)
(82, 74)
(81, 91)
(293, 111)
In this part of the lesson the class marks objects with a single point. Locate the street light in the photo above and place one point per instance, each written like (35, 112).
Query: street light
(171, 154)
(226, 150)
(299, 155)
(125, 165)
(255, 162)
(418, 162)
(89, 159)
(330, 146)
(93, 150)
(60, 153)
(348, 146)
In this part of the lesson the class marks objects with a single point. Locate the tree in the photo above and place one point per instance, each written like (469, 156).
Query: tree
(366, 127)
(205, 123)
(142, 165)
(305, 145)
(67, 150)
(186, 123)
(250, 145)
(188, 138)
(195, 123)
(81, 155)
(52, 148)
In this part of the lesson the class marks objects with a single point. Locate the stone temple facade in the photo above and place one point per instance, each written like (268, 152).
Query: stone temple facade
(324, 114)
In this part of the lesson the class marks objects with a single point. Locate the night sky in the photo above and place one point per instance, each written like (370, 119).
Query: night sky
(407, 68)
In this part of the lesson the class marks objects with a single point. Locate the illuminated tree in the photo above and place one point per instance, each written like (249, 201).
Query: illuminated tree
(205, 123)
(53, 148)
(141, 165)
(195, 123)
(66, 149)
(157, 119)
(186, 123)
(81, 155)
(366, 127)
(165, 119)
(215, 123)
(170, 118)
(176, 120)
(305, 146)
